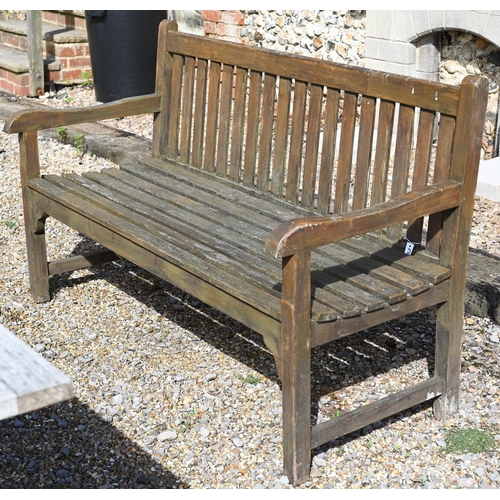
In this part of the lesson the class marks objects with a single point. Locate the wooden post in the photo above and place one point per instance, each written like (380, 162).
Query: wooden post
(34, 220)
(455, 240)
(35, 52)
(296, 366)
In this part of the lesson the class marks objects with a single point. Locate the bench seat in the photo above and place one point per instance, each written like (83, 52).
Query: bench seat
(215, 230)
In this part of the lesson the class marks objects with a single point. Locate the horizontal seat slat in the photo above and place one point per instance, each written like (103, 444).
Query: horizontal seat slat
(239, 195)
(209, 199)
(358, 261)
(417, 264)
(373, 286)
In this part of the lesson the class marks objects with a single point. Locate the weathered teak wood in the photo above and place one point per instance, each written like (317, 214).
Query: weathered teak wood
(281, 190)
(40, 119)
(27, 381)
(35, 52)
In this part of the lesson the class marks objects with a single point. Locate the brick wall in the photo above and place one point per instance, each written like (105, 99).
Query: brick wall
(224, 24)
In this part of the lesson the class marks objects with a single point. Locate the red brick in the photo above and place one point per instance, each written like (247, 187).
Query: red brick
(210, 28)
(221, 29)
(70, 75)
(53, 75)
(12, 40)
(79, 62)
(23, 80)
(8, 86)
(65, 51)
(50, 17)
(82, 50)
(211, 15)
(80, 23)
(233, 17)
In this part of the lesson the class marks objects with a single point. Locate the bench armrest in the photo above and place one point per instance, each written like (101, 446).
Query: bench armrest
(307, 233)
(40, 119)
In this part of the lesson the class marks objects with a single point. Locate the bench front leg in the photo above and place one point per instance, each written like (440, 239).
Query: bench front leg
(34, 219)
(296, 366)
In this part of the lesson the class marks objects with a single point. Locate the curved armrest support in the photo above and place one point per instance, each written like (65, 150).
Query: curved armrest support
(308, 233)
(40, 119)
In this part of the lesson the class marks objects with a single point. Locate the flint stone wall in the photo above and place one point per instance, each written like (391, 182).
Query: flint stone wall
(333, 35)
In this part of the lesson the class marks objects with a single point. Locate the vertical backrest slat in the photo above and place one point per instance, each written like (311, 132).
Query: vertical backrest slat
(164, 63)
(266, 132)
(187, 110)
(252, 128)
(366, 128)
(212, 116)
(226, 98)
(296, 142)
(199, 115)
(441, 173)
(238, 127)
(342, 182)
(421, 167)
(382, 152)
(175, 107)
(312, 144)
(328, 150)
(281, 138)
(402, 156)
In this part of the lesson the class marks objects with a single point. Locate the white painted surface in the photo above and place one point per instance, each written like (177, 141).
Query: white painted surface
(27, 380)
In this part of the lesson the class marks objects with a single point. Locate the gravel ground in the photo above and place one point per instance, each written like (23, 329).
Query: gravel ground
(169, 393)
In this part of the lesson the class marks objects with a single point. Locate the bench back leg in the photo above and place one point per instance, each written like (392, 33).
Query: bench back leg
(296, 368)
(34, 220)
(449, 326)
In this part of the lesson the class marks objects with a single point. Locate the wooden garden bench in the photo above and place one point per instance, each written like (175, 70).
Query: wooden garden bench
(282, 190)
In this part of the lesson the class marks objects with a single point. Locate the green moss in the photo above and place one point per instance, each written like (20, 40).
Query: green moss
(468, 441)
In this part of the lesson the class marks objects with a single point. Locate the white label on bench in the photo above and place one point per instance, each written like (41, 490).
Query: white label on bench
(409, 248)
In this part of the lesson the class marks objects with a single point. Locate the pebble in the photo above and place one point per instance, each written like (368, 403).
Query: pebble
(238, 442)
(169, 435)
(62, 474)
(159, 396)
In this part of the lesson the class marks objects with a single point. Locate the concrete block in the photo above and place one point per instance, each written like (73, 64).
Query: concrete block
(428, 55)
(421, 22)
(398, 52)
(372, 48)
(431, 77)
(391, 67)
(436, 18)
(384, 24)
(403, 29)
(488, 180)
(371, 23)
(456, 19)
(478, 21)
(492, 32)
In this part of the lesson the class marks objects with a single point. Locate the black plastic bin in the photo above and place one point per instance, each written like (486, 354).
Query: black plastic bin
(123, 47)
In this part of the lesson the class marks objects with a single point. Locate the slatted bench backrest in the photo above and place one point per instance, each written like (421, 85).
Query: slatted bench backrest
(323, 136)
